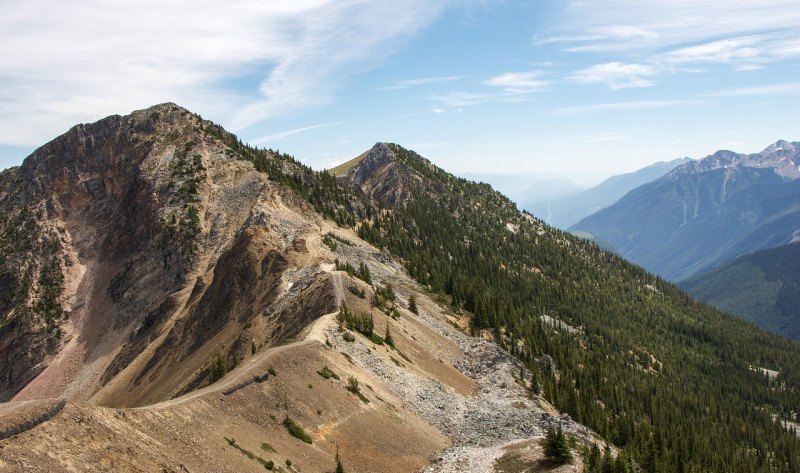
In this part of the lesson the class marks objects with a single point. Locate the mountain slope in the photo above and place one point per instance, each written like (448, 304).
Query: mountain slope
(706, 212)
(566, 211)
(762, 287)
(201, 287)
(623, 338)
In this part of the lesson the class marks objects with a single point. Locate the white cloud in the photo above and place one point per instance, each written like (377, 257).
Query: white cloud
(421, 81)
(616, 75)
(743, 48)
(514, 87)
(65, 62)
(633, 105)
(519, 82)
(464, 99)
(770, 89)
(284, 134)
(601, 34)
(743, 53)
(664, 24)
(665, 36)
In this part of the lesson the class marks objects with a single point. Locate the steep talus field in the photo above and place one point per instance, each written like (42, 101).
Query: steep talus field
(762, 287)
(248, 311)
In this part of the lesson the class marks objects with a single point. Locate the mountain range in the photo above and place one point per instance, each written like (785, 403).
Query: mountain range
(566, 210)
(176, 300)
(706, 212)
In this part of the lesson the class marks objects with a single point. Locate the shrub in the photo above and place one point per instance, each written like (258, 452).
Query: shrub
(296, 431)
(327, 373)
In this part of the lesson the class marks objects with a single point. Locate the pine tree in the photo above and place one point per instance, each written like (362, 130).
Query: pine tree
(555, 446)
(608, 461)
(387, 338)
(536, 380)
(593, 463)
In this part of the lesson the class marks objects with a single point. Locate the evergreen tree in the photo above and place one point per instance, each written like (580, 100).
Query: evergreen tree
(556, 448)
(593, 462)
(387, 338)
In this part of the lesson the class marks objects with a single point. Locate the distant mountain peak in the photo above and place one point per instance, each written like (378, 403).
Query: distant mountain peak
(780, 145)
(782, 156)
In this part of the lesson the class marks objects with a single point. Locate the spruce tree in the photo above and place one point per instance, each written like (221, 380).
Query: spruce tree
(555, 446)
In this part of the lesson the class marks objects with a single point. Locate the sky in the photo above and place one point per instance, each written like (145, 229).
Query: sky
(552, 89)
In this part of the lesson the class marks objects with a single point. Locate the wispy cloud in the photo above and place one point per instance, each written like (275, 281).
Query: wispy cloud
(465, 99)
(667, 36)
(616, 75)
(111, 58)
(616, 25)
(633, 105)
(421, 81)
(783, 88)
(601, 34)
(743, 53)
(513, 87)
(272, 137)
(519, 82)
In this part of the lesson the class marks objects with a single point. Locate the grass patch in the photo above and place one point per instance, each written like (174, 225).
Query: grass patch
(296, 431)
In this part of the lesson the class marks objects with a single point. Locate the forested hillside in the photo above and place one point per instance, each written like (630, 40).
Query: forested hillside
(762, 287)
(675, 383)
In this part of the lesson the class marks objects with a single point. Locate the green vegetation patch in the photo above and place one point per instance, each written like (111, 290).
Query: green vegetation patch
(296, 431)
(327, 373)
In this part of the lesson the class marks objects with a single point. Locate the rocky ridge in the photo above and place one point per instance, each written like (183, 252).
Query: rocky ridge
(174, 254)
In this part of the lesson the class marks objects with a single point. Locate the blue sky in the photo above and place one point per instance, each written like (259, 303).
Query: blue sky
(574, 89)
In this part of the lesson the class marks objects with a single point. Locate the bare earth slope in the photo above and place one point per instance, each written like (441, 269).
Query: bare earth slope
(439, 401)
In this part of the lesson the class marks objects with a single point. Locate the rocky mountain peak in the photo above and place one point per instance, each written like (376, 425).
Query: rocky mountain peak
(383, 175)
(780, 145)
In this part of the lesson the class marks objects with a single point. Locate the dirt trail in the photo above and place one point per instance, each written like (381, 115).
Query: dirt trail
(256, 364)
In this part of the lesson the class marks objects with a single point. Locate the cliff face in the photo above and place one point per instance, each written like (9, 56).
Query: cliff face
(129, 250)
